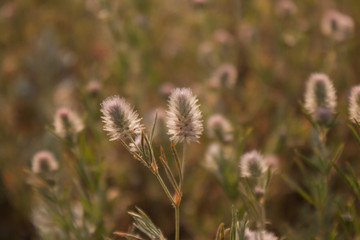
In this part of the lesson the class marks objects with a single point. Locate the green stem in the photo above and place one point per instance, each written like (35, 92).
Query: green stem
(166, 190)
(177, 222)
(182, 166)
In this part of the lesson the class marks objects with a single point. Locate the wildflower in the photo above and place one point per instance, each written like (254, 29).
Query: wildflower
(258, 235)
(219, 127)
(184, 119)
(354, 104)
(222, 36)
(259, 192)
(43, 162)
(165, 89)
(67, 123)
(337, 25)
(252, 164)
(225, 76)
(320, 98)
(119, 118)
(93, 88)
(286, 8)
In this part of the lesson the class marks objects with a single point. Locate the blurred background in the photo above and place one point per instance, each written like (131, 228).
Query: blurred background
(247, 60)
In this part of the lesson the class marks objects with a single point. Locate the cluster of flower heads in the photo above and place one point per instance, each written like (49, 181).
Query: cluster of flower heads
(184, 119)
(320, 99)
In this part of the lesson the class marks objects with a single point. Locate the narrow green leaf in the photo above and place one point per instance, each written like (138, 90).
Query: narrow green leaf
(297, 188)
(153, 127)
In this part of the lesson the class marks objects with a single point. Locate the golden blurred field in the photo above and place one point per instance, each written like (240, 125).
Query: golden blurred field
(53, 52)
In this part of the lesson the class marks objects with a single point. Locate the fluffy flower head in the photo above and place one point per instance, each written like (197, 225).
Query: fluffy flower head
(184, 119)
(225, 76)
(44, 161)
(119, 118)
(354, 104)
(257, 235)
(252, 164)
(337, 25)
(219, 127)
(67, 123)
(320, 97)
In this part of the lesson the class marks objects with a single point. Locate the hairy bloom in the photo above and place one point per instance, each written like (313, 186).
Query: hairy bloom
(44, 161)
(225, 76)
(252, 164)
(119, 118)
(258, 235)
(184, 119)
(320, 97)
(219, 127)
(354, 104)
(337, 25)
(67, 123)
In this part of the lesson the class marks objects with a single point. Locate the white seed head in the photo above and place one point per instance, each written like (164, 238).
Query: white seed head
(320, 97)
(354, 104)
(219, 127)
(67, 123)
(337, 25)
(43, 162)
(119, 118)
(252, 164)
(184, 119)
(224, 77)
(259, 235)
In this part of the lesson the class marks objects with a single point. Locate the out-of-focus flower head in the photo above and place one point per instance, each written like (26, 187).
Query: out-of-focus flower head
(219, 127)
(354, 104)
(320, 98)
(252, 164)
(93, 88)
(120, 119)
(67, 123)
(44, 162)
(224, 76)
(184, 118)
(337, 25)
(257, 235)
(286, 8)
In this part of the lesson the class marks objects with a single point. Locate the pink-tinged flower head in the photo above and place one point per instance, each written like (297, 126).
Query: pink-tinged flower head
(337, 25)
(252, 164)
(67, 123)
(354, 104)
(184, 119)
(224, 77)
(320, 97)
(119, 118)
(43, 162)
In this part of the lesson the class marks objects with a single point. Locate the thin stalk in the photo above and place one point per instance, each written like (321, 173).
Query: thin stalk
(183, 165)
(177, 222)
(166, 190)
